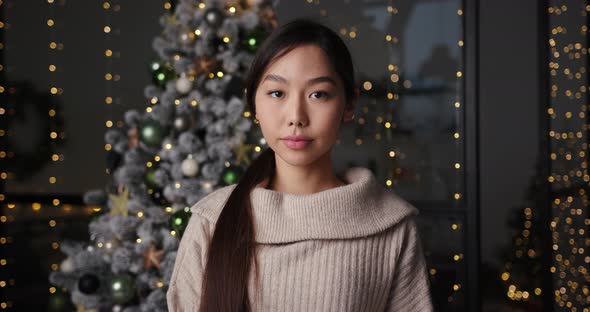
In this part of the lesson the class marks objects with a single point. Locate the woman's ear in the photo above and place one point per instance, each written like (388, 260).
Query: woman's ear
(350, 107)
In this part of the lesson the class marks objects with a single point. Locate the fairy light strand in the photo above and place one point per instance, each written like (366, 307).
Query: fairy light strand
(568, 137)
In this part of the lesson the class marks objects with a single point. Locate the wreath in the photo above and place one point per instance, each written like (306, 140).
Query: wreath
(29, 146)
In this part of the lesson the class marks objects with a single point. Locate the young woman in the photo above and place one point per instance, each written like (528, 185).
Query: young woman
(293, 235)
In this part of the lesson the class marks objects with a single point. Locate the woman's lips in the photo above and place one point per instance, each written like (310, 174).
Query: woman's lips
(296, 144)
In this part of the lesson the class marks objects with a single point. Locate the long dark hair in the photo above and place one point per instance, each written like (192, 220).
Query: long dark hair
(232, 247)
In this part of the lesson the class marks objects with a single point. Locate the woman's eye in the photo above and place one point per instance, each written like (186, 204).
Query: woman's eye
(271, 92)
(321, 93)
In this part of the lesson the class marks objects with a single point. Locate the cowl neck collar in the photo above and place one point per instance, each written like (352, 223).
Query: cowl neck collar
(360, 208)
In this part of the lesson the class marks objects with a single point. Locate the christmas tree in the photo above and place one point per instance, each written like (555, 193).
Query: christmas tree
(193, 138)
(522, 274)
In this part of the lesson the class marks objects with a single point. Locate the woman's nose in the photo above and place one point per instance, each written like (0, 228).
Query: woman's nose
(298, 111)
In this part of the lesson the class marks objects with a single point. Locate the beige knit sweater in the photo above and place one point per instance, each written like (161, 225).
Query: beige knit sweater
(350, 248)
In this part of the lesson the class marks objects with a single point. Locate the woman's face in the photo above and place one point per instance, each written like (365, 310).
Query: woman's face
(301, 94)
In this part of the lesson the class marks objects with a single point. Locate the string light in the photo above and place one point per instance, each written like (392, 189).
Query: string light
(5, 302)
(568, 80)
(110, 55)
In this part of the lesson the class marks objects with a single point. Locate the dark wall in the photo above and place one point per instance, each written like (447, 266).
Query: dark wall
(509, 115)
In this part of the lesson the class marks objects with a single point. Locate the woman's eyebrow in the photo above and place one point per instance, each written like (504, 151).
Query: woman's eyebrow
(277, 78)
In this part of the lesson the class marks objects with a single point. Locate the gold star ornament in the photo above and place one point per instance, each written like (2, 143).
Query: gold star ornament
(119, 203)
(81, 308)
(242, 152)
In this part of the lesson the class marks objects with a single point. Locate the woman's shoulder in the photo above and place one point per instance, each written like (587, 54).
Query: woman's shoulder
(210, 205)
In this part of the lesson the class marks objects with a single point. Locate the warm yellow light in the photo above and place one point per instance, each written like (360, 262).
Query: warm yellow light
(505, 276)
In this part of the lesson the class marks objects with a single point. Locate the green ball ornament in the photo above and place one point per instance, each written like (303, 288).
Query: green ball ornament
(232, 174)
(122, 288)
(152, 133)
(252, 41)
(179, 221)
(162, 73)
(150, 177)
(59, 301)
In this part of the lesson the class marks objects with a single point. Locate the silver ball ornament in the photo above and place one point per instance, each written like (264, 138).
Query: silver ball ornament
(181, 123)
(190, 167)
(184, 85)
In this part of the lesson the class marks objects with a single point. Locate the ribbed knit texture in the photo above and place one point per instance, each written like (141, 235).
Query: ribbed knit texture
(354, 247)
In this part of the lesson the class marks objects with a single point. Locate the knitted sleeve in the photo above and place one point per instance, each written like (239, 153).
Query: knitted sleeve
(410, 290)
(184, 288)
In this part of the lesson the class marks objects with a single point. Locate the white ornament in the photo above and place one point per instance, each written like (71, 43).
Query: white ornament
(67, 266)
(183, 84)
(190, 167)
